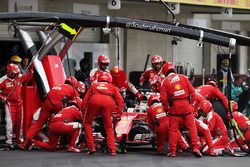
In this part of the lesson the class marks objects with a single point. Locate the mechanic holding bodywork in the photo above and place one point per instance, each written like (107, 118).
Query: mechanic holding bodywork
(55, 100)
(102, 98)
(11, 84)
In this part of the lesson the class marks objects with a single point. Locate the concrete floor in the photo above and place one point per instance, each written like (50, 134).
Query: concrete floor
(133, 158)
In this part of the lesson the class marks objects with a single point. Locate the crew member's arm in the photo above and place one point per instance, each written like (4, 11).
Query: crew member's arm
(163, 94)
(221, 97)
(85, 101)
(119, 101)
(211, 121)
(151, 124)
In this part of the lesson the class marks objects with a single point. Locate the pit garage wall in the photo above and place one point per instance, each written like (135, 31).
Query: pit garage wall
(238, 24)
(136, 44)
(139, 44)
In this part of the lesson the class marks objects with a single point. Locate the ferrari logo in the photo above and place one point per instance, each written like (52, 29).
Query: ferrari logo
(178, 87)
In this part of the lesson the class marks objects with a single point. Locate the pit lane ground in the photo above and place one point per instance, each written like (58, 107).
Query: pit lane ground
(135, 157)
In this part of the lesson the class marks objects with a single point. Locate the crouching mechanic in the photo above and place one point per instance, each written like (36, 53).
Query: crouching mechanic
(243, 123)
(119, 79)
(158, 122)
(67, 122)
(216, 126)
(55, 100)
(102, 98)
(175, 93)
(204, 133)
(10, 85)
(211, 92)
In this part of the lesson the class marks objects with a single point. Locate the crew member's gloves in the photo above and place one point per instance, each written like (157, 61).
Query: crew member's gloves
(117, 117)
(31, 69)
(139, 97)
(228, 117)
(3, 98)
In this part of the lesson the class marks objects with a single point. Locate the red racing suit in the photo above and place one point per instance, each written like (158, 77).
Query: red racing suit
(11, 93)
(211, 93)
(150, 72)
(101, 99)
(217, 129)
(120, 81)
(66, 122)
(204, 133)
(196, 103)
(51, 105)
(202, 128)
(175, 95)
(93, 75)
(158, 122)
(244, 125)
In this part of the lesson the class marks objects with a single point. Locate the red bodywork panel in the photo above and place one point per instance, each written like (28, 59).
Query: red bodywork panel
(31, 102)
(120, 79)
(127, 121)
(54, 70)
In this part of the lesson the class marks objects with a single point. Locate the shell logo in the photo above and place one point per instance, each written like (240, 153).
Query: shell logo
(159, 110)
(177, 87)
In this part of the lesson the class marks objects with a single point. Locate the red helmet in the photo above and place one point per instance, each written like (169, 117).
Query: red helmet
(212, 82)
(81, 87)
(103, 59)
(104, 77)
(119, 77)
(205, 106)
(167, 67)
(153, 98)
(234, 105)
(12, 70)
(115, 70)
(156, 59)
(72, 81)
(77, 101)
